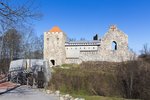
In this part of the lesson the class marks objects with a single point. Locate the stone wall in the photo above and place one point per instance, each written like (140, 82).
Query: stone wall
(55, 49)
(106, 51)
(74, 51)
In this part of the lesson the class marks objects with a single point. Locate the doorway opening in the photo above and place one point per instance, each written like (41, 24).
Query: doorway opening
(53, 62)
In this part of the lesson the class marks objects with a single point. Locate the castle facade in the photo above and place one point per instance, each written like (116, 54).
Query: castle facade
(112, 47)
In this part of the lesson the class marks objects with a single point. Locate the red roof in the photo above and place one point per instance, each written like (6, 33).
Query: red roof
(55, 29)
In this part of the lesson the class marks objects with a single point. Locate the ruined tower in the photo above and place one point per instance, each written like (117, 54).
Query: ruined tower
(54, 46)
(114, 45)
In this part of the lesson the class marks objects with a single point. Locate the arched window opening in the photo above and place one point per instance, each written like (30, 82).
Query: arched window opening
(53, 62)
(114, 45)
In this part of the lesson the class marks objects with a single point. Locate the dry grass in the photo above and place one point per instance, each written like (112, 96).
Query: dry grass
(103, 79)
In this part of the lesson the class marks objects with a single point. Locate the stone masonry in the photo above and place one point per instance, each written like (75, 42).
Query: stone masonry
(112, 47)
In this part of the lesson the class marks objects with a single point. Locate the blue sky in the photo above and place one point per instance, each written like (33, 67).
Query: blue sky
(84, 18)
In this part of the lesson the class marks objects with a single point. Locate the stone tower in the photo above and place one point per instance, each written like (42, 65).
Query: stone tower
(54, 46)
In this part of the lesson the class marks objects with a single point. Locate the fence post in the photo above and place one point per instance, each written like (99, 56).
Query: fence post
(27, 81)
(17, 79)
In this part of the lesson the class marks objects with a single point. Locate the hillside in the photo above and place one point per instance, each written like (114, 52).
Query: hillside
(126, 79)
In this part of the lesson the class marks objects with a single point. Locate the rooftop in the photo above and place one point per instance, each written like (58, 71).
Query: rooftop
(55, 29)
(93, 42)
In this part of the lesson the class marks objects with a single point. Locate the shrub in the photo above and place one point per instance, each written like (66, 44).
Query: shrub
(126, 79)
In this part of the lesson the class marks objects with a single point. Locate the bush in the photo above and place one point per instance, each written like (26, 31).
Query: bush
(126, 79)
(91, 78)
(133, 80)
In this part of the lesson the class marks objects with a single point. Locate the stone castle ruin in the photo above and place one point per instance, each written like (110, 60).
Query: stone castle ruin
(112, 47)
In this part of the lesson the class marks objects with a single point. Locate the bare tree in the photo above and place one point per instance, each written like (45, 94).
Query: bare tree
(27, 43)
(145, 51)
(126, 78)
(12, 40)
(13, 11)
(82, 39)
(3, 28)
(32, 45)
(16, 13)
(11, 48)
(38, 52)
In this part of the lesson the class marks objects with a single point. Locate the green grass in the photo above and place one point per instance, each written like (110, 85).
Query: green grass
(89, 97)
(99, 97)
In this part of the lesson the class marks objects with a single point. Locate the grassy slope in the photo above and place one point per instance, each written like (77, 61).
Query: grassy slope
(72, 73)
(99, 97)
